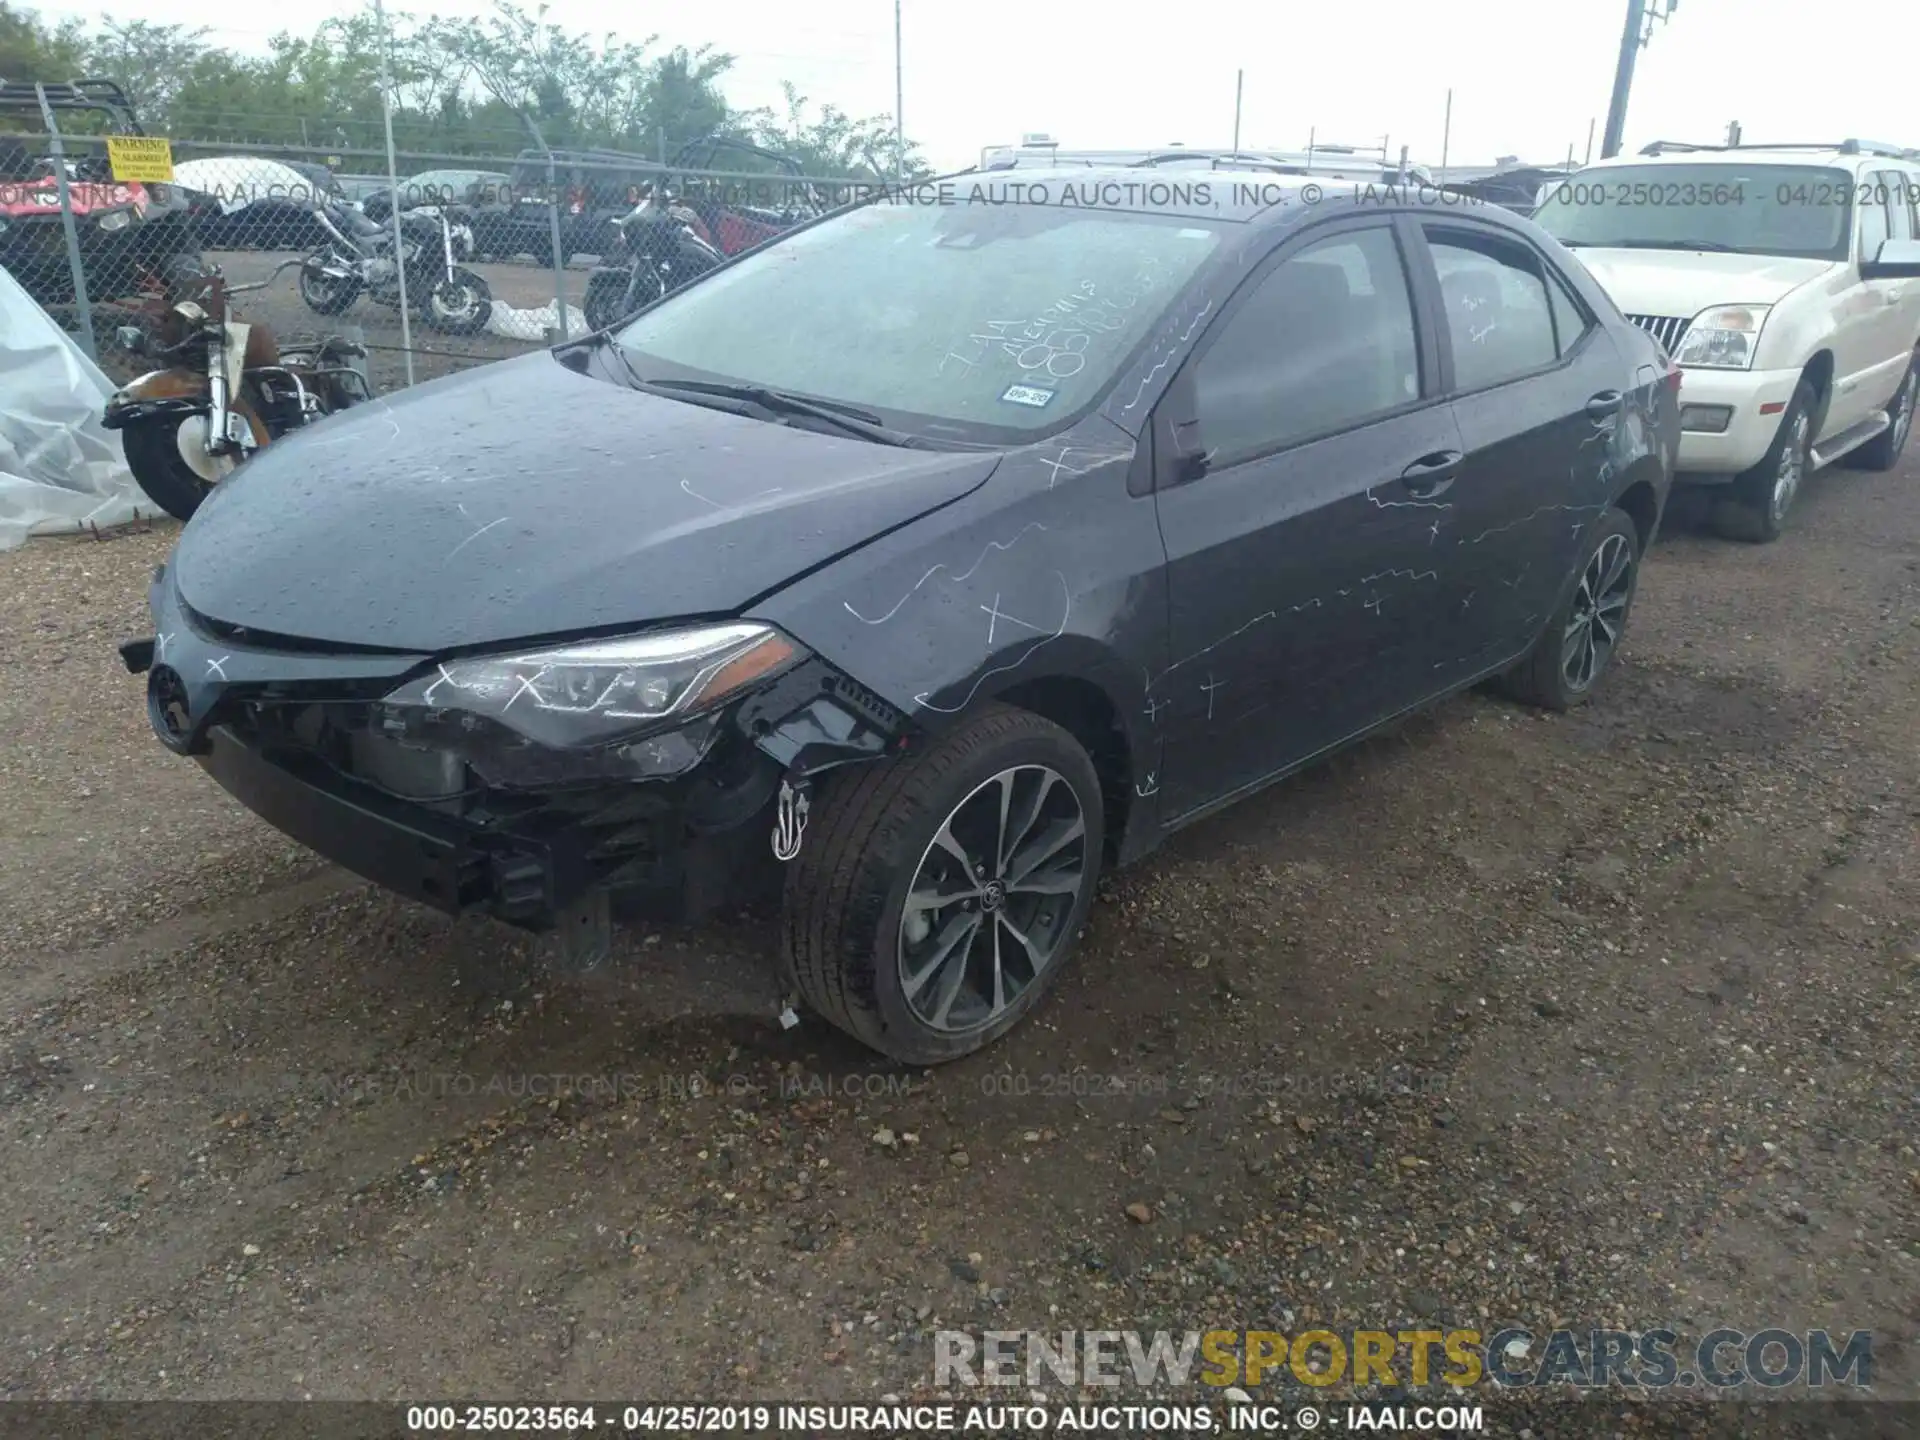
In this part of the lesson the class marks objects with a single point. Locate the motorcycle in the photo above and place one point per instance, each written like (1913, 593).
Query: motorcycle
(663, 244)
(445, 294)
(229, 387)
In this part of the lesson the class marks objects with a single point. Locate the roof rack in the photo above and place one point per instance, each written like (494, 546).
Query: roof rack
(92, 94)
(1842, 147)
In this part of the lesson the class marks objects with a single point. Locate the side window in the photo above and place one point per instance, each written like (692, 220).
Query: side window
(1569, 320)
(1499, 317)
(1899, 192)
(1325, 341)
(1870, 201)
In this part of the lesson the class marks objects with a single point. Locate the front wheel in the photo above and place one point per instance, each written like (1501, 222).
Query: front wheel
(460, 304)
(1763, 497)
(938, 895)
(324, 294)
(169, 461)
(1566, 664)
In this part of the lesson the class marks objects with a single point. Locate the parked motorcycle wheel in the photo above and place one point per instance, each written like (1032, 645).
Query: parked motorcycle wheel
(170, 463)
(324, 294)
(459, 305)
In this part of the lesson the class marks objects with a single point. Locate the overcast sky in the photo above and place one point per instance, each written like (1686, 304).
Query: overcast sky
(1528, 76)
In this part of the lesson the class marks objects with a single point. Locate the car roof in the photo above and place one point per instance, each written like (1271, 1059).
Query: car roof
(1804, 155)
(1258, 198)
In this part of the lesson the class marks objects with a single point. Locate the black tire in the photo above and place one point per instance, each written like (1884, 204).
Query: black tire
(1543, 678)
(605, 299)
(871, 827)
(1883, 451)
(325, 296)
(154, 457)
(1763, 497)
(465, 315)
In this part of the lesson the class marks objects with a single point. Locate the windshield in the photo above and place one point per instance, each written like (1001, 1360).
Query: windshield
(1754, 209)
(983, 321)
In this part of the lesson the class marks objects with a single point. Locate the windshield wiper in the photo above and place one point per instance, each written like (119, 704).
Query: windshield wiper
(1669, 245)
(848, 418)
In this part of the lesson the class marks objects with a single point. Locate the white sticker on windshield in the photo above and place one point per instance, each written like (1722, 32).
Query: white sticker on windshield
(1027, 395)
(1194, 234)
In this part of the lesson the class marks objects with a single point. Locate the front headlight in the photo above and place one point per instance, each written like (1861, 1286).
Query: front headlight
(1723, 338)
(595, 693)
(116, 220)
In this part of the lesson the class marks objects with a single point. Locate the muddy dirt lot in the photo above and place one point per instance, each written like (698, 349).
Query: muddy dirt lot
(1606, 1019)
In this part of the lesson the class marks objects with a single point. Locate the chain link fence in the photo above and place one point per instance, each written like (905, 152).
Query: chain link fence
(500, 248)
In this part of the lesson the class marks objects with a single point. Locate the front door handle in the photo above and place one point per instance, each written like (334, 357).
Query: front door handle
(1432, 474)
(1604, 406)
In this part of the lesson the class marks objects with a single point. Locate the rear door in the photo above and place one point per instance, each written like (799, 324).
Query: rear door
(1896, 308)
(1537, 388)
(1302, 458)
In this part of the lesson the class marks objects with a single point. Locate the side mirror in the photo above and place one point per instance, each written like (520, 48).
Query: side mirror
(1897, 260)
(1190, 458)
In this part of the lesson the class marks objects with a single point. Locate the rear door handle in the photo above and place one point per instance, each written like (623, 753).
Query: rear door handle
(1604, 405)
(1432, 474)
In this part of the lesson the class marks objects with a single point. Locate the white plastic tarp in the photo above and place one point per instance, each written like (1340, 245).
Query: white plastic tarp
(60, 469)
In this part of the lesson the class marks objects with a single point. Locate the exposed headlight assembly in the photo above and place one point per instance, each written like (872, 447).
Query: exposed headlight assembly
(1723, 338)
(116, 220)
(609, 707)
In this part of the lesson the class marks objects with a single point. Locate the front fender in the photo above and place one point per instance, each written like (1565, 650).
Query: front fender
(173, 394)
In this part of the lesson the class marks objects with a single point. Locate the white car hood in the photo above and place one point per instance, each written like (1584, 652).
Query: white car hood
(1685, 282)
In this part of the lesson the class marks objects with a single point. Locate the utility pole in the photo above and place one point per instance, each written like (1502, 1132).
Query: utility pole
(1239, 81)
(393, 184)
(899, 102)
(1633, 38)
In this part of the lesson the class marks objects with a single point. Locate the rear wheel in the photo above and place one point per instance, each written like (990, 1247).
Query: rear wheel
(324, 294)
(942, 892)
(1764, 496)
(1566, 664)
(1883, 451)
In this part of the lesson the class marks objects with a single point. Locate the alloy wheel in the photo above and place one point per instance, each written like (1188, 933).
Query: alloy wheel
(991, 900)
(1792, 467)
(455, 302)
(1599, 613)
(1903, 410)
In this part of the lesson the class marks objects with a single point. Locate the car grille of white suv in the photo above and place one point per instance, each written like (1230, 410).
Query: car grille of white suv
(1667, 329)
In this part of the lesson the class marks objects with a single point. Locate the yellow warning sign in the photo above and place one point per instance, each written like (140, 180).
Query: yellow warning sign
(140, 159)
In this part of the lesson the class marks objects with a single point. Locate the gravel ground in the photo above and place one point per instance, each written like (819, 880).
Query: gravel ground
(1605, 1019)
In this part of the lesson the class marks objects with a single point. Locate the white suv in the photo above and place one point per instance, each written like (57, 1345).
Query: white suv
(1785, 281)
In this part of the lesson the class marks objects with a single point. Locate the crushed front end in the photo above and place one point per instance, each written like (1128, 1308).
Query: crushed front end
(530, 784)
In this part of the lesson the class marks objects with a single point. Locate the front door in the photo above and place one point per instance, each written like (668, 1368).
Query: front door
(1304, 459)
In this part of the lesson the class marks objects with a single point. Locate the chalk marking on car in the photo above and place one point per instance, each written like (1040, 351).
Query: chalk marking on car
(934, 570)
(1231, 634)
(1211, 686)
(1535, 514)
(1380, 504)
(1066, 591)
(214, 667)
(475, 535)
(721, 505)
(995, 614)
(1167, 359)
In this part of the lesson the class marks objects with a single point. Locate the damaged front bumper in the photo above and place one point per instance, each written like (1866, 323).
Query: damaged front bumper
(461, 815)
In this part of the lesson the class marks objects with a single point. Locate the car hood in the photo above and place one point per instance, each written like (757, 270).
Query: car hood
(1685, 282)
(522, 499)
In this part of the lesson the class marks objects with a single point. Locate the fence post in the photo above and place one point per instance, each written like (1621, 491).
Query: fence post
(553, 228)
(393, 195)
(82, 304)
